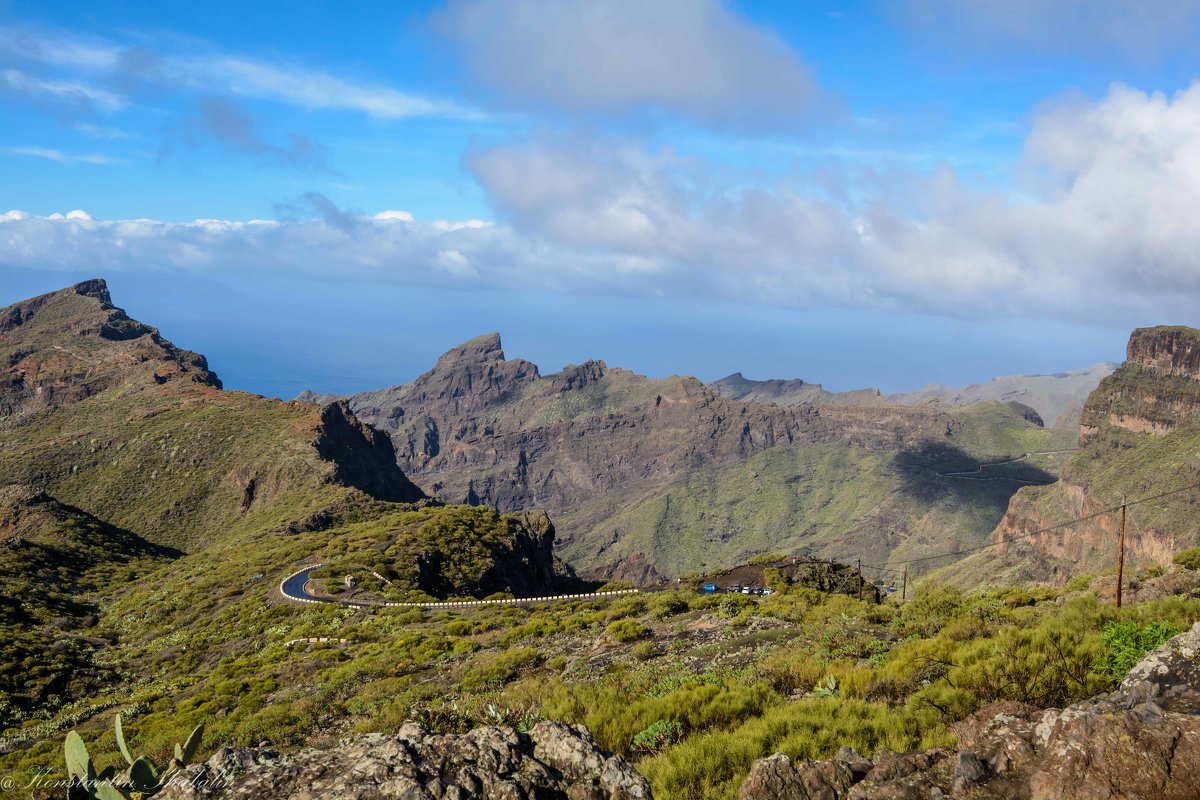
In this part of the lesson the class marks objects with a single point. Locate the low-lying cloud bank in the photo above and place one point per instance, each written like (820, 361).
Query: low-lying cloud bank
(1105, 230)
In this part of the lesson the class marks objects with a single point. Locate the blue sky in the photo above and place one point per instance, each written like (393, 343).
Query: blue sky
(887, 194)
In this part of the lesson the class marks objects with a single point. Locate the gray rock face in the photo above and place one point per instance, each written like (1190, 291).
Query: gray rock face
(552, 762)
(1141, 742)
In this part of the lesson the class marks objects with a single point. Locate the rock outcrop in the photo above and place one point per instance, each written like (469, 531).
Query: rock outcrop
(552, 761)
(1141, 742)
(793, 392)
(1155, 391)
(362, 456)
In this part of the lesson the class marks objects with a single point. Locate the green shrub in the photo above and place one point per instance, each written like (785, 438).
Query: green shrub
(1189, 558)
(498, 670)
(1126, 642)
(626, 630)
(933, 607)
(659, 736)
(643, 651)
(713, 764)
(459, 627)
(1080, 583)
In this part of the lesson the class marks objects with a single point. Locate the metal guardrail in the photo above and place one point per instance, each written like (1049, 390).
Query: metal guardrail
(447, 604)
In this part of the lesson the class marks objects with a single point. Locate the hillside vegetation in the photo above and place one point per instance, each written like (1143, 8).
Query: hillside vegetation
(692, 687)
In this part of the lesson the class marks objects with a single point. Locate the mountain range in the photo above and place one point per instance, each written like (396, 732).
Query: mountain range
(652, 478)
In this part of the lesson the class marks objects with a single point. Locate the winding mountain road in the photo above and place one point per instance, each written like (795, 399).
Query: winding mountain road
(294, 588)
(976, 474)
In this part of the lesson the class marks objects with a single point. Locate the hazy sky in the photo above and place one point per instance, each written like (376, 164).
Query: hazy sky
(329, 195)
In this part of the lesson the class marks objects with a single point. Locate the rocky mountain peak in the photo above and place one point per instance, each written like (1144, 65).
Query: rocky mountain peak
(65, 346)
(483, 349)
(96, 288)
(1166, 350)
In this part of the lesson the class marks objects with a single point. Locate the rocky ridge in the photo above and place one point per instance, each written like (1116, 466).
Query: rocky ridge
(1141, 742)
(63, 347)
(790, 393)
(107, 415)
(551, 761)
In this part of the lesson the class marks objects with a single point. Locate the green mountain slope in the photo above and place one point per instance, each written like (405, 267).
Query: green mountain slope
(53, 561)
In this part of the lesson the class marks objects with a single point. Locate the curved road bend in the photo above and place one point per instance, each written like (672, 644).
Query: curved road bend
(293, 588)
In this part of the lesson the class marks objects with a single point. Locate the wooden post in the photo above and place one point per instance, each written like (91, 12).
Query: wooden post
(1121, 555)
(904, 585)
(860, 579)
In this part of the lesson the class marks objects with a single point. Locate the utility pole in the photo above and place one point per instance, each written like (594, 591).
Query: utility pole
(1121, 554)
(860, 579)
(904, 585)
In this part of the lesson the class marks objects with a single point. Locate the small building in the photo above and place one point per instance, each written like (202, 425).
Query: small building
(351, 581)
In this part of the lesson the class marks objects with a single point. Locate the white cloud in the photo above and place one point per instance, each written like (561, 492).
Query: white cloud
(201, 67)
(694, 58)
(1105, 230)
(73, 92)
(51, 154)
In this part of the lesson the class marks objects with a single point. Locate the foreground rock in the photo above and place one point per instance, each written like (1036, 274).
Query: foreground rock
(1141, 742)
(550, 762)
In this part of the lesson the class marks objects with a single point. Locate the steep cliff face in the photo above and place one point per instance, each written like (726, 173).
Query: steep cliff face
(361, 456)
(615, 457)
(1155, 391)
(1139, 436)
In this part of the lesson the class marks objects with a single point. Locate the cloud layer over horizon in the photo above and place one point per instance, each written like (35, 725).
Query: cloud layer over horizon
(1104, 228)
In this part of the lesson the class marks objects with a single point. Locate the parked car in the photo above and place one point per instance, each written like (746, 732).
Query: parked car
(709, 587)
